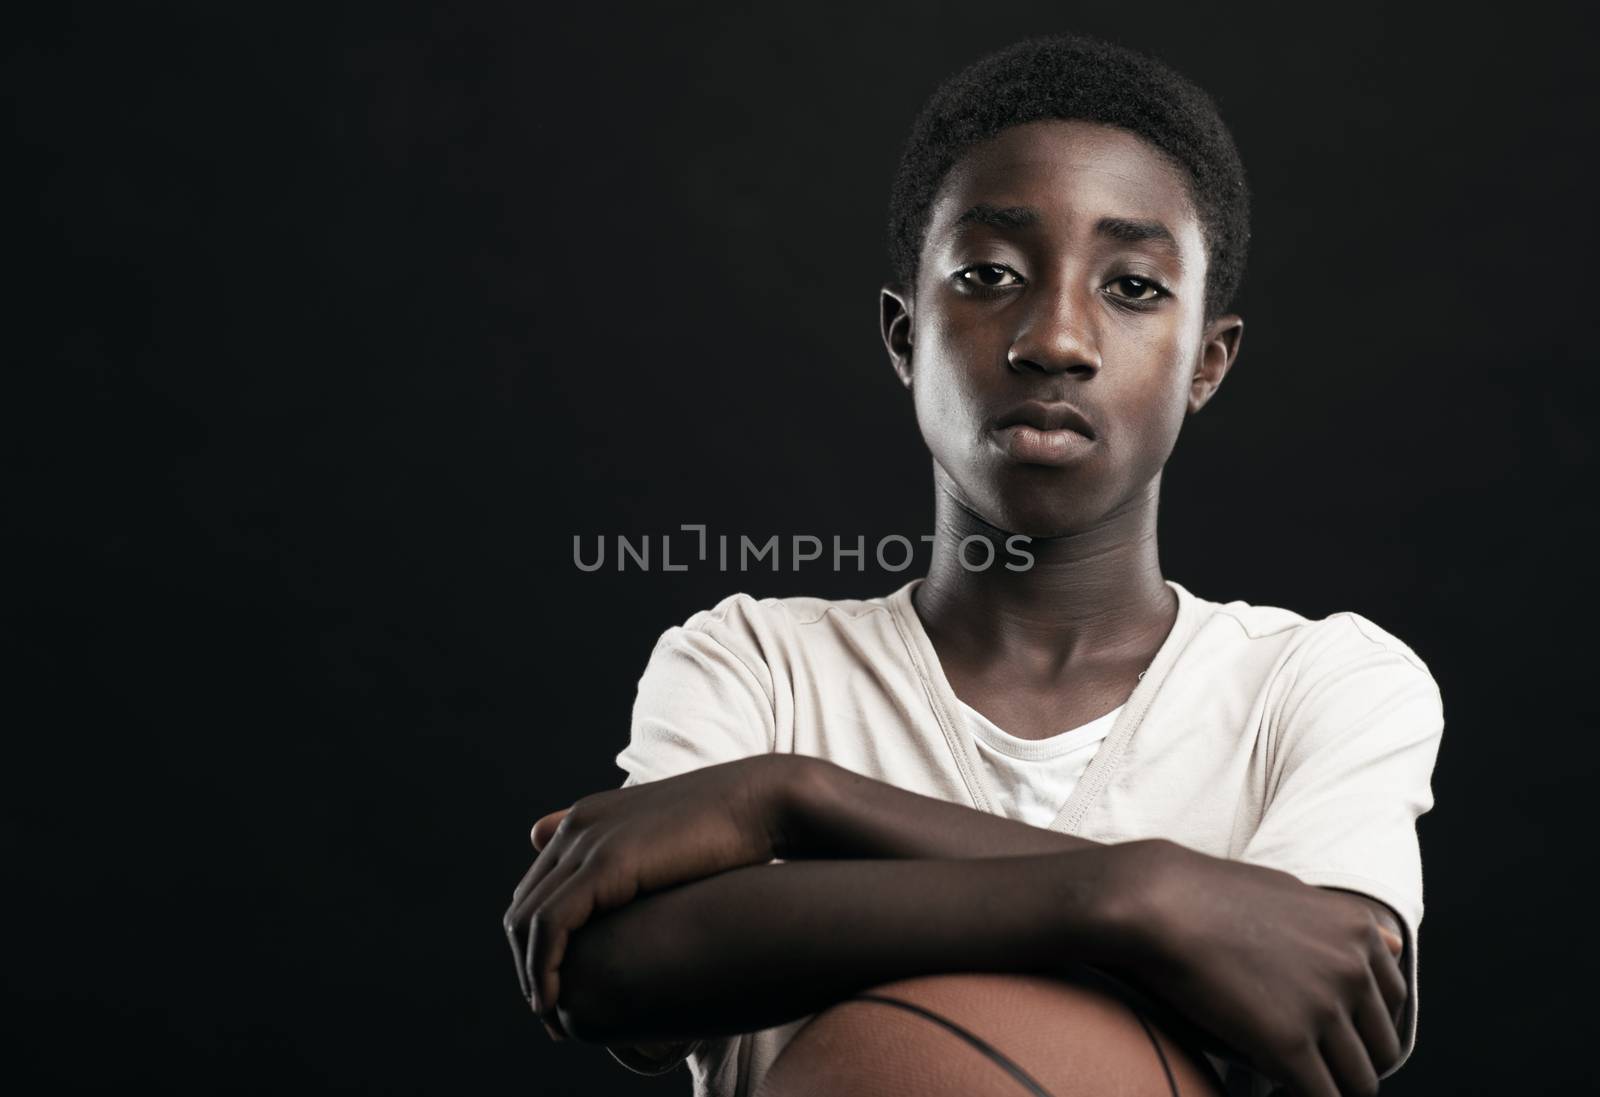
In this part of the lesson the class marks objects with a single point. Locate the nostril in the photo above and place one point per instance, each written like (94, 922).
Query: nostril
(1075, 365)
(1068, 356)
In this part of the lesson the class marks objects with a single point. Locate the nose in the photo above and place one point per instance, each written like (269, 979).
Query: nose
(1056, 336)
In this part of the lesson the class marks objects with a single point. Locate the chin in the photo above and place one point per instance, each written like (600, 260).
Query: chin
(1041, 510)
(1043, 523)
(1037, 501)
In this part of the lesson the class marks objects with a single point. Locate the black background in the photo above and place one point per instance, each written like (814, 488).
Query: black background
(336, 326)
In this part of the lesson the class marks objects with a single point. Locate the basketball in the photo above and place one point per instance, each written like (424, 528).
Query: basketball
(977, 1035)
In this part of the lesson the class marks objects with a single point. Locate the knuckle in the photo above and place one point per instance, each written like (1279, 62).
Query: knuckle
(1355, 973)
(586, 809)
(603, 858)
(1294, 1044)
(1324, 1015)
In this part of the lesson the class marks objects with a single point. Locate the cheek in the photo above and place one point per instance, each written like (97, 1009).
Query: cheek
(945, 387)
(1162, 398)
(941, 408)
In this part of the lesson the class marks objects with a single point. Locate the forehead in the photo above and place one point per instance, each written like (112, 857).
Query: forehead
(1074, 173)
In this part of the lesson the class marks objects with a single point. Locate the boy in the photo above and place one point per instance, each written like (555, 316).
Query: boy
(1016, 769)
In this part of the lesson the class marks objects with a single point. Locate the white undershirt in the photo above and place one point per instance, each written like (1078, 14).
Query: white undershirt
(1032, 778)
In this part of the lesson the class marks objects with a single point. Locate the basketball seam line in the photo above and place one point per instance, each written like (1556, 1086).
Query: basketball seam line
(1003, 1061)
(999, 1057)
(1172, 1083)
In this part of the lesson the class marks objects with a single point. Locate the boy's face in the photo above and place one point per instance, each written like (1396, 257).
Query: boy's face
(1063, 266)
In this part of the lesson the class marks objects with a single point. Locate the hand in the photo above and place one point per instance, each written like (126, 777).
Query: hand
(544, 828)
(1303, 982)
(614, 845)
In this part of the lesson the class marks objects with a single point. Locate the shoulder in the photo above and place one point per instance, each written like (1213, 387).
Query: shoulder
(1342, 633)
(746, 611)
(777, 630)
(746, 616)
(1300, 652)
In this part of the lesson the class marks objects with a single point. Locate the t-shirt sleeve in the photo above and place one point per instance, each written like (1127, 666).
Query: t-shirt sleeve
(1354, 748)
(704, 698)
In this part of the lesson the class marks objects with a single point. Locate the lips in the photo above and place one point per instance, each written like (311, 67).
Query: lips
(1046, 417)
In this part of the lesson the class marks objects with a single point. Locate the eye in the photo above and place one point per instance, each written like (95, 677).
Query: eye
(1137, 289)
(988, 276)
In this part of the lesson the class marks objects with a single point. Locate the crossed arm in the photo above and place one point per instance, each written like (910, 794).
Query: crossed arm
(648, 1056)
(672, 886)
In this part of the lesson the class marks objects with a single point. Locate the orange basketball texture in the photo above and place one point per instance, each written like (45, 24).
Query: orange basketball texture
(1060, 1037)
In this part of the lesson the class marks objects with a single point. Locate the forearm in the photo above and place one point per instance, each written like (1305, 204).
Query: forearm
(834, 812)
(758, 946)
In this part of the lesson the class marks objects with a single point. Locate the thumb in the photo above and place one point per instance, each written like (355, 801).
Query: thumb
(544, 828)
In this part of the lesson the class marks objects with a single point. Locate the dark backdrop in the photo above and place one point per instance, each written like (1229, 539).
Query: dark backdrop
(337, 325)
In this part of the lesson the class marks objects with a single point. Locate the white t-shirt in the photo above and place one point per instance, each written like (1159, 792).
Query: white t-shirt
(1032, 778)
(1255, 734)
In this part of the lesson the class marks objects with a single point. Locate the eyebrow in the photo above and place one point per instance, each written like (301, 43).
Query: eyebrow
(1125, 230)
(1000, 217)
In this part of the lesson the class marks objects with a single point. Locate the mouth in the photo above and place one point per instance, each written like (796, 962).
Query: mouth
(1037, 433)
(1046, 417)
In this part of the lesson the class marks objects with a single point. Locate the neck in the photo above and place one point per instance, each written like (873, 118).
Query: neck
(1091, 595)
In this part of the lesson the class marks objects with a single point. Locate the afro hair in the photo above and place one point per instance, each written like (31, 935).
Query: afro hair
(1084, 79)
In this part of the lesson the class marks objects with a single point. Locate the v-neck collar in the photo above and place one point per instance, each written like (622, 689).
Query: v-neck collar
(958, 735)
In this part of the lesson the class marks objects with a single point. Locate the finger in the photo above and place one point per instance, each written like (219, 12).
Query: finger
(516, 957)
(525, 911)
(1348, 1058)
(1306, 1075)
(1395, 943)
(513, 930)
(1391, 984)
(547, 988)
(551, 855)
(1374, 1023)
(514, 917)
(544, 828)
(564, 912)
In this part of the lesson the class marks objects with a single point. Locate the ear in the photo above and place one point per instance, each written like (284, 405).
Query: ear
(1218, 350)
(894, 324)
